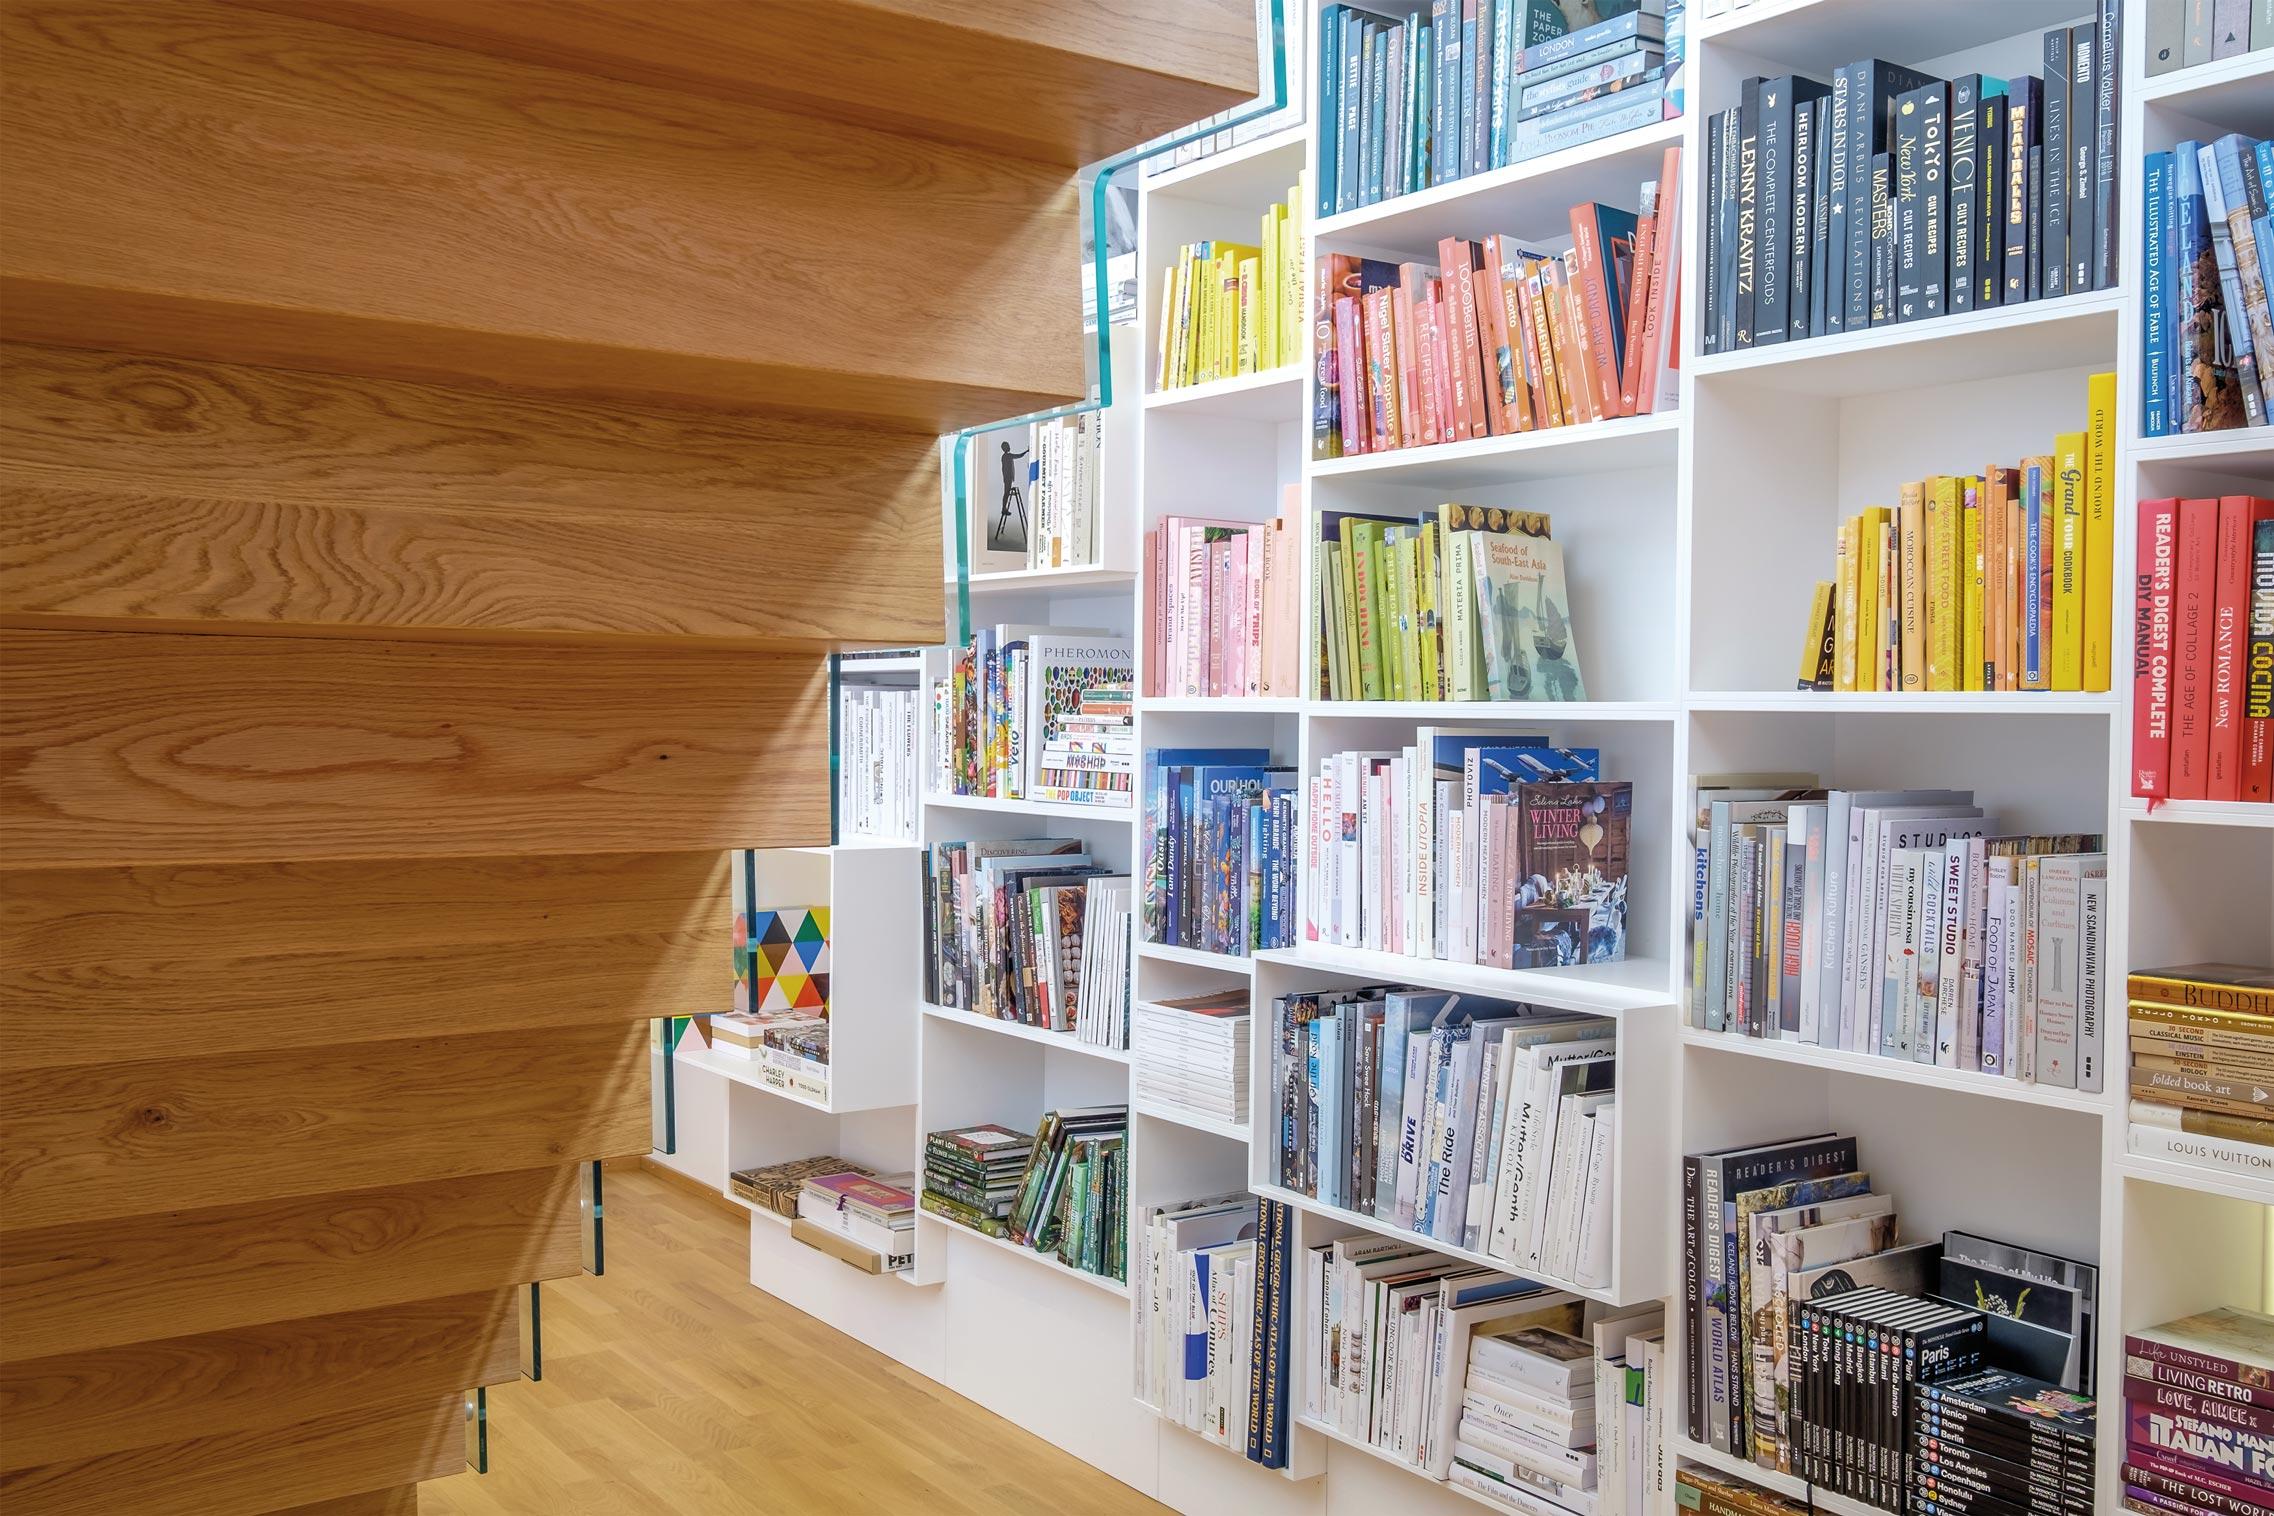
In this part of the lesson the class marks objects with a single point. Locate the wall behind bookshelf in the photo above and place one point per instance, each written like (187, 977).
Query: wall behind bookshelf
(1692, 540)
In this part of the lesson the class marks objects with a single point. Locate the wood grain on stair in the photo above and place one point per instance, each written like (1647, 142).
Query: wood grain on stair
(1065, 81)
(285, 1463)
(135, 749)
(100, 1284)
(282, 191)
(241, 958)
(110, 1400)
(128, 1138)
(150, 493)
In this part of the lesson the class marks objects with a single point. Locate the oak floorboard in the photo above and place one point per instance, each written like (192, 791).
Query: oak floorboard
(672, 1385)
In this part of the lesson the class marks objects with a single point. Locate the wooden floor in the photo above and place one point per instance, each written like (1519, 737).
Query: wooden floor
(672, 1386)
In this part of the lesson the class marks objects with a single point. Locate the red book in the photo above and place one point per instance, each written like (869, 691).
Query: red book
(1403, 305)
(2193, 590)
(2153, 565)
(1594, 287)
(1381, 369)
(1456, 261)
(1335, 276)
(2230, 608)
(1425, 369)
(1440, 323)
(1662, 321)
(2258, 662)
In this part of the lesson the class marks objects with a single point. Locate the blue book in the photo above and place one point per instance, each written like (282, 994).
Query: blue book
(1349, 94)
(1404, 1012)
(2033, 669)
(1505, 50)
(2155, 296)
(1445, 21)
(1644, 20)
(1330, 102)
(2191, 235)
(1498, 770)
(1432, 1162)
(1377, 114)
(1333, 1139)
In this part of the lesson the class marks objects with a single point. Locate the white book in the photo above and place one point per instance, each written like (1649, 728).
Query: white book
(2092, 965)
(2060, 951)
(1599, 1206)
(1868, 814)
(2223, 1155)
(1410, 1136)
(1520, 1498)
(1950, 947)
(1805, 829)
(1567, 1183)
(1973, 950)
(1530, 1130)
(2025, 1042)
(1564, 1076)
(1651, 1481)
(2009, 986)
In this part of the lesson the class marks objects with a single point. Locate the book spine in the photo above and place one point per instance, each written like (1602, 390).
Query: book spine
(2154, 567)
(2230, 606)
(1965, 189)
(2053, 253)
(1933, 200)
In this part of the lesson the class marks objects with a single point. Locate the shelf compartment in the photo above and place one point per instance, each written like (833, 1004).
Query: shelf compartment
(745, 1071)
(2233, 94)
(1044, 1260)
(1258, 171)
(1520, 712)
(1070, 810)
(1606, 989)
(1523, 197)
(2202, 1178)
(2072, 332)
(1894, 702)
(1379, 1228)
(1551, 452)
(1273, 395)
(1200, 958)
(1787, 1485)
(1819, 36)
(2238, 813)
(1195, 1121)
(1061, 1040)
(1871, 1066)
(1048, 581)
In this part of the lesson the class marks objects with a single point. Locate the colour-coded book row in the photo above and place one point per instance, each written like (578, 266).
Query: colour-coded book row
(1218, 845)
(1459, 602)
(1499, 337)
(2207, 248)
(2002, 580)
(1233, 308)
(1907, 924)
(1478, 1124)
(1486, 847)
(2203, 650)
(1427, 92)
(1889, 195)
(1223, 609)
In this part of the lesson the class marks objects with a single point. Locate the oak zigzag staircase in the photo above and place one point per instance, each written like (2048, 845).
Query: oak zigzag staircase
(438, 440)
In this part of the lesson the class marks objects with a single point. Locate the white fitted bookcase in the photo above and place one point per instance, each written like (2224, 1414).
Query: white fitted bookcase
(1691, 540)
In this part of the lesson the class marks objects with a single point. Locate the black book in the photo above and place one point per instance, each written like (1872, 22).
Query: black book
(1709, 326)
(1908, 193)
(1933, 193)
(1781, 100)
(2052, 242)
(1832, 147)
(1990, 220)
(1744, 292)
(2021, 137)
(1799, 241)
(1873, 85)
(2084, 55)
(1882, 254)
(1819, 249)
(2107, 114)
(1726, 211)
(2037, 222)
(1965, 180)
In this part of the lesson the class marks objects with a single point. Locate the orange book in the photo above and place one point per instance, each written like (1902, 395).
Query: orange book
(1593, 274)
(1995, 492)
(1571, 359)
(1637, 311)
(1539, 352)
(1426, 376)
(1409, 295)
(1504, 380)
(1508, 268)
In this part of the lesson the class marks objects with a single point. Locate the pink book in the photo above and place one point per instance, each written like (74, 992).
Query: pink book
(1154, 647)
(2230, 614)
(1251, 640)
(1351, 365)
(1231, 631)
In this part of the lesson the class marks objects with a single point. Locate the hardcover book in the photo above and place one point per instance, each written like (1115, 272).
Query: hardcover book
(1571, 904)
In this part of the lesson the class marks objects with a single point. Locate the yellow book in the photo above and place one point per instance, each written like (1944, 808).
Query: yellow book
(1167, 332)
(2068, 561)
(1291, 273)
(1426, 577)
(1844, 582)
(1869, 621)
(1970, 618)
(1911, 588)
(1887, 638)
(1228, 334)
(1180, 342)
(1945, 606)
(1267, 294)
(1815, 663)
(1249, 288)
(2100, 531)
